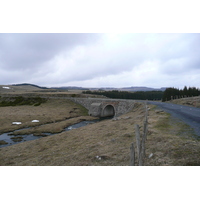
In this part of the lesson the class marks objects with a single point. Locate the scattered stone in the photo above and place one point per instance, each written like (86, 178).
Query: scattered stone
(150, 155)
(98, 157)
(103, 157)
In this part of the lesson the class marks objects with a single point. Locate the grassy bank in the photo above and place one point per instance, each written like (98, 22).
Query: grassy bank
(172, 142)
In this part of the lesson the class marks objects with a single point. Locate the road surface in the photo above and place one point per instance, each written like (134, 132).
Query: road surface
(189, 115)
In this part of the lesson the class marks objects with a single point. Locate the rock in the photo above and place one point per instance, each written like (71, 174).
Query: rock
(150, 155)
(102, 157)
(98, 157)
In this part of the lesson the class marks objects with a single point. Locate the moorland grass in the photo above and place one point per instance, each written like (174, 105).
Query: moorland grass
(108, 139)
(51, 111)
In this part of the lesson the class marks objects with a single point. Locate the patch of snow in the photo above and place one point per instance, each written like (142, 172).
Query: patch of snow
(16, 123)
(35, 120)
(8, 88)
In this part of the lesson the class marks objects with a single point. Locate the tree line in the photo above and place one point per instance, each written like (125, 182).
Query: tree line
(174, 93)
(140, 95)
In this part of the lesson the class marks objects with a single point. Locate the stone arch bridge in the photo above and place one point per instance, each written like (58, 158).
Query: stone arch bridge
(105, 107)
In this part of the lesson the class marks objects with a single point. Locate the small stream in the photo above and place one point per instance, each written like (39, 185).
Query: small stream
(11, 139)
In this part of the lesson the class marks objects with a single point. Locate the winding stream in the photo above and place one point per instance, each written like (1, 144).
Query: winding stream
(11, 140)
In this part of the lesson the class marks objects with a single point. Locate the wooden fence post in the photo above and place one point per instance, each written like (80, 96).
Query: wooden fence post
(142, 151)
(137, 132)
(140, 142)
(132, 155)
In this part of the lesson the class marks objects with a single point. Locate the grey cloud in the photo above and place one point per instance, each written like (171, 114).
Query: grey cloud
(21, 51)
(172, 51)
(62, 58)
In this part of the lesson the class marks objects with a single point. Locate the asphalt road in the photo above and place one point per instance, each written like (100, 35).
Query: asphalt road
(189, 115)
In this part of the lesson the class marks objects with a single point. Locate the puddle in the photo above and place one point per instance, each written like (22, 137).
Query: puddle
(8, 138)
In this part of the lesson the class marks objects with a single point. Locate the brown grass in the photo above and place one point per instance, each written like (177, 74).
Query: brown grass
(190, 101)
(53, 111)
(29, 90)
(107, 143)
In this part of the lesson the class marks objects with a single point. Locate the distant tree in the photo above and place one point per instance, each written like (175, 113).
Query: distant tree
(174, 93)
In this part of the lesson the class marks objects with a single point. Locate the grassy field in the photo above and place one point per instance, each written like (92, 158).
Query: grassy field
(31, 91)
(106, 143)
(52, 115)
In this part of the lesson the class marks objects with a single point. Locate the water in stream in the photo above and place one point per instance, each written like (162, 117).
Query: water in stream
(11, 139)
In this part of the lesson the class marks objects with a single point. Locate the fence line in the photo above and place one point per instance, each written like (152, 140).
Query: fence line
(140, 142)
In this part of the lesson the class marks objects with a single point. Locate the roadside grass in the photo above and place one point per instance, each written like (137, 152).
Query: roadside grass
(172, 142)
(189, 101)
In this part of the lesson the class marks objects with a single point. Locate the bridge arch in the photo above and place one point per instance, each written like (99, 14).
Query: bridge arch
(108, 111)
(98, 107)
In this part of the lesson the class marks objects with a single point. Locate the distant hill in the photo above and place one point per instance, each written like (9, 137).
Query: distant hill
(135, 89)
(131, 89)
(29, 84)
(69, 88)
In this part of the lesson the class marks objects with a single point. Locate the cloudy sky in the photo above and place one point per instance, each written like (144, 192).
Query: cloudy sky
(100, 60)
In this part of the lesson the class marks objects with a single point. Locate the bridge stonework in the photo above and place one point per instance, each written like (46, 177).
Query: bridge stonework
(105, 107)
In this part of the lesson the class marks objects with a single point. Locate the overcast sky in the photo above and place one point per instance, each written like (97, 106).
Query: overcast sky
(100, 60)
